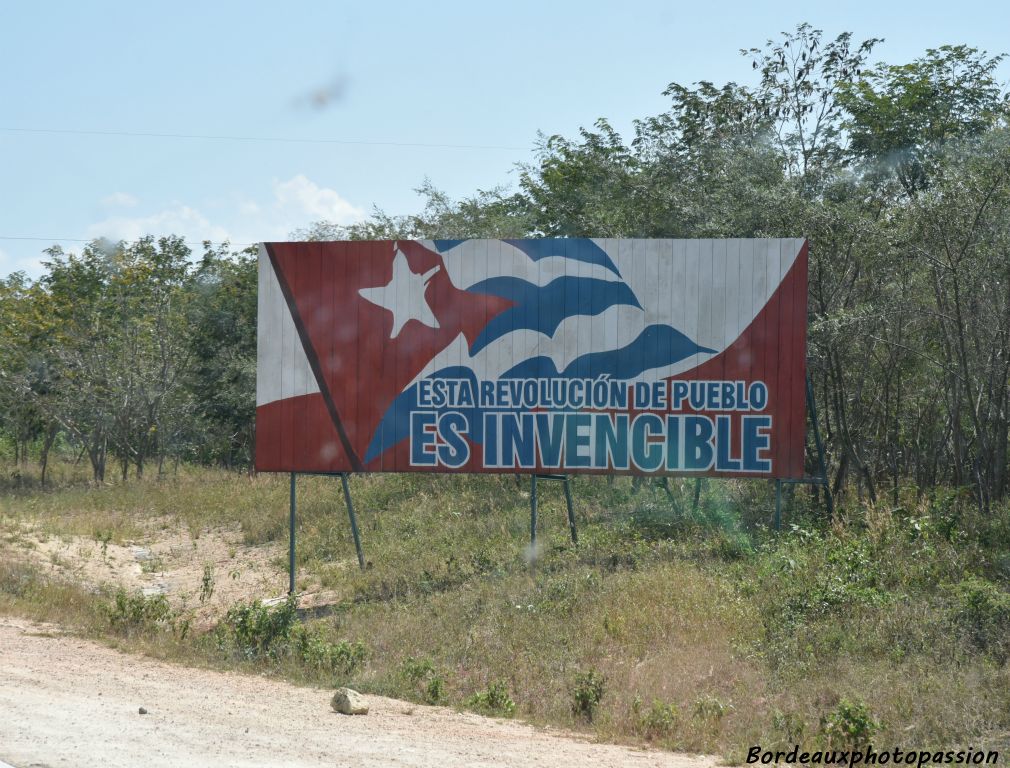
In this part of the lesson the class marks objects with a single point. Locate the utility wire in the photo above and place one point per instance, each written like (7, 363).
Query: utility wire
(271, 139)
(93, 239)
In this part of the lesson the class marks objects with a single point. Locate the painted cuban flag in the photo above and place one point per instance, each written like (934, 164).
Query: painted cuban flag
(572, 355)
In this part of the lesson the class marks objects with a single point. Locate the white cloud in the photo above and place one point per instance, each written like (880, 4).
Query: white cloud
(300, 194)
(181, 220)
(119, 200)
(289, 205)
(29, 264)
(249, 208)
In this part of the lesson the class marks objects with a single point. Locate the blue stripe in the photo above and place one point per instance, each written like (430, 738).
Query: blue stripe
(395, 425)
(655, 347)
(576, 248)
(445, 245)
(543, 308)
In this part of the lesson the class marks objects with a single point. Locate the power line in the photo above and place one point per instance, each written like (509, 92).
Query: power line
(270, 139)
(93, 239)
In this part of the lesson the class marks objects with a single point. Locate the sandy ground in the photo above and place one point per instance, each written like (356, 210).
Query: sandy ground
(201, 576)
(71, 702)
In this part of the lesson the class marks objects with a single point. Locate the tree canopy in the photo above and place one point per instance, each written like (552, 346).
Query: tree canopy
(898, 174)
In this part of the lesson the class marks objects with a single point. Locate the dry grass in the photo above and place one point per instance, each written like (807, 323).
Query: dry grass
(710, 634)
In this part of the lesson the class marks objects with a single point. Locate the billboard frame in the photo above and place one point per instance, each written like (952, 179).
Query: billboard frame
(542, 471)
(818, 481)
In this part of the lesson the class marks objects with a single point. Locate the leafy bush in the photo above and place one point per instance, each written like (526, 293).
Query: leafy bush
(710, 708)
(495, 700)
(587, 692)
(851, 724)
(256, 631)
(423, 680)
(790, 725)
(983, 609)
(806, 579)
(132, 613)
(341, 658)
(659, 721)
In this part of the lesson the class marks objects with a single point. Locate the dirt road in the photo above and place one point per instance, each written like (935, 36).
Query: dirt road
(70, 702)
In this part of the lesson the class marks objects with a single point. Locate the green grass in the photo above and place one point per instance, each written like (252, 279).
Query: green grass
(701, 632)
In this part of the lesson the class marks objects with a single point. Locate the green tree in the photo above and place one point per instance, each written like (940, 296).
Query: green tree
(900, 117)
(222, 342)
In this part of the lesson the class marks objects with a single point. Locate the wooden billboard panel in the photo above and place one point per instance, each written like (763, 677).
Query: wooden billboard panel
(681, 357)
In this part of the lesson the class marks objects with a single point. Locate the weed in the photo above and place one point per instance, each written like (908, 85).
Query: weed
(659, 721)
(587, 692)
(790, 725)
(434, 691)
(256, 631)
(688, 610)
(494, 701)
(710, 708)
(130, 614)
(341, 659)
(482, 561)
(614, 626)
(152, 565)
(983, 609)
(104, 538)
(850, 724)
(423, 680)
(207, 583)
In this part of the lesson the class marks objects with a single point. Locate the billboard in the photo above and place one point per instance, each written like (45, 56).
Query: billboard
(679, 357)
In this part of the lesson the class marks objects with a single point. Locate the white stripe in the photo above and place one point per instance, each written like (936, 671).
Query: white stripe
(709, 290)
(711, 300)
(282, 370)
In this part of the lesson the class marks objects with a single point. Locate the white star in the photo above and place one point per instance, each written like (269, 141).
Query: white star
(403, 295)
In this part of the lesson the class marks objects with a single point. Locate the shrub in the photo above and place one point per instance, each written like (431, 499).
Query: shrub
(342, 658)
(258, 632)
(129, 614)
(790, 724)
(983, 609)
(255, 630)
(495, 700)
(587, 692)
(851, 724)
(660, 720)
(423, 680)
(710, 708)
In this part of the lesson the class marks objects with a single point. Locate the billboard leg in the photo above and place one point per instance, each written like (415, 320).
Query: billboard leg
(665, 482)
(291, 537)
(778, 505)
(697, 495)
(533, 511)
(821, 463)
(571, 511)
(354, 520)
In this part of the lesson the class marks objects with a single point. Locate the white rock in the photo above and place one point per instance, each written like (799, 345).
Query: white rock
(349, 702)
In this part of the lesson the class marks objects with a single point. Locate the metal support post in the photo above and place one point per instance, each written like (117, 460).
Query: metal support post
(291, 538)
(354, 520)
(697, 495)
(822, 464)
(778, 505)
(665, 482)
(533, 511)
(571, 512)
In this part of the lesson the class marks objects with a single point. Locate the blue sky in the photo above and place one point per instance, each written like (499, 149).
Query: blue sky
(483, 76)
